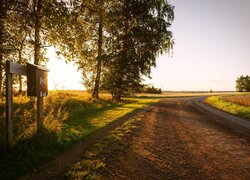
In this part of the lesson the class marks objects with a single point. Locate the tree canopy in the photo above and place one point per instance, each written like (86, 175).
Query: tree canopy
(243, 84)
(114, 43)
(139, 33)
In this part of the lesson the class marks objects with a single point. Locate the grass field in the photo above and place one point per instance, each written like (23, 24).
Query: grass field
(69, 118)
(235, 104)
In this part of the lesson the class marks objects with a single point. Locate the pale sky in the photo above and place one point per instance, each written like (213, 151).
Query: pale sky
(212, 46)
(212, 49)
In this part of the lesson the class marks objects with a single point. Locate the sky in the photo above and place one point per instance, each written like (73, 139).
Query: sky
(212, 49)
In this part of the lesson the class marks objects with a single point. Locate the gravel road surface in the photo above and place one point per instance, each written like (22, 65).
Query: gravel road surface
(180, 139)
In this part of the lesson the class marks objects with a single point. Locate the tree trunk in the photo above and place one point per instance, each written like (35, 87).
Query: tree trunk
(116, 96)
(20, 79)
(118, 93)
(1, 71)
(37, 44)
(2, 15)
(95, 93)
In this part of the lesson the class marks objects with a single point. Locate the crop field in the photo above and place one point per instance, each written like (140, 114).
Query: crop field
(243, 100)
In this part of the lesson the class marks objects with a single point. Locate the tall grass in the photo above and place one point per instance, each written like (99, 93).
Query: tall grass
(68, 118)
(24, 116)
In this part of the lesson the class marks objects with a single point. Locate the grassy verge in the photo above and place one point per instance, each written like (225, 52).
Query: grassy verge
(222, 103)
(69, 118)
(93, 162)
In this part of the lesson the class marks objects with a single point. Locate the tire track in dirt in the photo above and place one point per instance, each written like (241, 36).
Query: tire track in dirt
(178, 140)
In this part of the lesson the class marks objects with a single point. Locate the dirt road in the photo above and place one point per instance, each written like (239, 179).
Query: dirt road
(177, 139)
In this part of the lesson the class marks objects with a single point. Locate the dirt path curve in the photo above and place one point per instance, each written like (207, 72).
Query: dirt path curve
(65, 160)
(178, 139)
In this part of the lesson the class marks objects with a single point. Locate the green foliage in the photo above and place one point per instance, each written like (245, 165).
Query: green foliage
(148, 89)
(115, 43)
(25, 29)
(84, 41)
(139, 33)
(243, 84)
(236, 109)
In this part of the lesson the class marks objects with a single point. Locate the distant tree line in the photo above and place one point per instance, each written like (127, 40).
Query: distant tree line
(147, 89)
(113, 42)
(243, 84)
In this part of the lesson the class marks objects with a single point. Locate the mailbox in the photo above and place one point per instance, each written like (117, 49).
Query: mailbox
(37, 80)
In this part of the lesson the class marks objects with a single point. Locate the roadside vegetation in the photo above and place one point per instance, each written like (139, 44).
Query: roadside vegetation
(93, 162)
(235, 104)
(69, 117)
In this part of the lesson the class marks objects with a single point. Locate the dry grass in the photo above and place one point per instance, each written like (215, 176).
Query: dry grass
(57, 108)
(243, 100)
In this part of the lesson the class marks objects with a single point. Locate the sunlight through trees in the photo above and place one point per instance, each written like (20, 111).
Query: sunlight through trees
(113, 43)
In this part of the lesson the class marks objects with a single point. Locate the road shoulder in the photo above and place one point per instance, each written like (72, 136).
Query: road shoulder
(64, 161)
(228, 117)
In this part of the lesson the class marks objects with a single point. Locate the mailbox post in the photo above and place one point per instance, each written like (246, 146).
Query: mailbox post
(37, 80)
(37, 85)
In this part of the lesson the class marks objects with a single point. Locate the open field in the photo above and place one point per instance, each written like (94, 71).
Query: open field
(235, 104)
(169, 94)
(69, 118)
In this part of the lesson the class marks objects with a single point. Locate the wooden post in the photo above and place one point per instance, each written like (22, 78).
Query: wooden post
(37, 86)
(39, 114)
(9, 101)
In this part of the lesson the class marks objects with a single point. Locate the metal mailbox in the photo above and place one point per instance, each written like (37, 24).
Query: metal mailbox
(37, 80)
